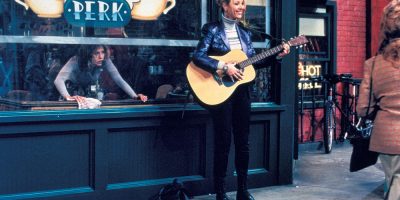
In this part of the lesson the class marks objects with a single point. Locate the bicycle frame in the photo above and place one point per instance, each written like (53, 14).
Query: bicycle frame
(329, 133)
(347, 110)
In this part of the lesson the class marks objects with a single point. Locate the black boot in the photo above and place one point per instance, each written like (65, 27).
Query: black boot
(242, 193)
(219, 186)
(221, 196)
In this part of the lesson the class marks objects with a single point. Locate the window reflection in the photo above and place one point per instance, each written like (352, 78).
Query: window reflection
(315, 30)
(256, 17)
(181, 22)
(152, 61)
(146, 69)
(317, 48)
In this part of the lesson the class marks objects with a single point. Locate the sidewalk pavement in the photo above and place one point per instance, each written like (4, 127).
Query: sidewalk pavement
(320, 176)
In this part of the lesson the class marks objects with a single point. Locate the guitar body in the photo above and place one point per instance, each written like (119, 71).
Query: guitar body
(215, 89)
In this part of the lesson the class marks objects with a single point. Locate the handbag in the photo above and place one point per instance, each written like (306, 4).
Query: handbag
(359, 137)
(363, 127)
(172, 191)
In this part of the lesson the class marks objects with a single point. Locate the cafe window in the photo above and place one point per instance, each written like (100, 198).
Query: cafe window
(150, 52)
(258, 17)
(314, 58)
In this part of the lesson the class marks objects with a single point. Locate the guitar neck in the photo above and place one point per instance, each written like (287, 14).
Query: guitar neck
(260, 56)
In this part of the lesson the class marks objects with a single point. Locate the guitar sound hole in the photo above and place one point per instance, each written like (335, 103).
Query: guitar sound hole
(227, 81)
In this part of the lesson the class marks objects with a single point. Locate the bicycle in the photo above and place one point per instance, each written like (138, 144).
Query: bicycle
(348, 114)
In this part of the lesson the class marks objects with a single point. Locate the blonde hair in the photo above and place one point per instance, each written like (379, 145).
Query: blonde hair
(389, 36)
(390, 24)
(242, 21)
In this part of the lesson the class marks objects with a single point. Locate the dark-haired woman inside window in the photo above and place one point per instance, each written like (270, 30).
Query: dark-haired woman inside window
(82, 72)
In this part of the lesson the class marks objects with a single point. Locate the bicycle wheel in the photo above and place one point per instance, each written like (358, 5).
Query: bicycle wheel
(329, 127)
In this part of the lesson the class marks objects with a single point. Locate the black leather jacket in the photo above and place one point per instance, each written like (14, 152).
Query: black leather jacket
(213, 42)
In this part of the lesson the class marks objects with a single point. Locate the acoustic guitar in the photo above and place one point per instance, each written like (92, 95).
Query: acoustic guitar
(213, 89)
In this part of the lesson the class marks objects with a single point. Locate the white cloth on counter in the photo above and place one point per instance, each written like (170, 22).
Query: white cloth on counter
(89, 103)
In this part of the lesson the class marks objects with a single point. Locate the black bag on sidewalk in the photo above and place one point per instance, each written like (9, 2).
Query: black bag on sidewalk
(173, 191)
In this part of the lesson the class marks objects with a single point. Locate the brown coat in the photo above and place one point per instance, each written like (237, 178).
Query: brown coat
(386, 87)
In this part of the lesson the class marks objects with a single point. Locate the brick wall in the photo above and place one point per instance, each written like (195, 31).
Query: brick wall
(351, 36)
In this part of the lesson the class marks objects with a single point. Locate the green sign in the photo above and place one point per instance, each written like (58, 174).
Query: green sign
(96, 13)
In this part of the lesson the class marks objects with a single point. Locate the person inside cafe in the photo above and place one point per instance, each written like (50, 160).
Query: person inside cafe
(132, 68)
(39, 60)
(233, 115)
(80, 78)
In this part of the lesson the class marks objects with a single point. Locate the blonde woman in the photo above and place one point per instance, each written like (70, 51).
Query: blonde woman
(385, 70)
(232, 116)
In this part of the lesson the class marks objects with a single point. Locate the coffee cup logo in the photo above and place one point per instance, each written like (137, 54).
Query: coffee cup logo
(44, 8)
(150, 9)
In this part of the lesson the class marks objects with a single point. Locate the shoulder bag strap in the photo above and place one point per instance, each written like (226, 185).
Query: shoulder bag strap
(370, 86)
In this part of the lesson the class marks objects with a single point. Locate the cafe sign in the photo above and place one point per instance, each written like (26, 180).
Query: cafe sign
(97, 13)
(306, 71)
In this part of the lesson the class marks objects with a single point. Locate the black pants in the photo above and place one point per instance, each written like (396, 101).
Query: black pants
(232, 116)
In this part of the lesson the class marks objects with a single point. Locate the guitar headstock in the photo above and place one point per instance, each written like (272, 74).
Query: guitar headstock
(297, 41)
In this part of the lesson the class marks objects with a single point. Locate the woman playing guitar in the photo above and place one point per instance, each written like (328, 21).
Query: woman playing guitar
(231, 116)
